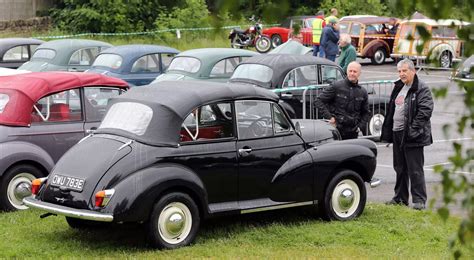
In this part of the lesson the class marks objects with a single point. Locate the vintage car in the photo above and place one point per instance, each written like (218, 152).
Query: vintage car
(283, 33)
(369, 37)
(42, 115)
(176, 152)
(289, 75)
(65, 55)
(16, 51)
(137, 64)
(444, 47)
(215, 64)
(465, 71)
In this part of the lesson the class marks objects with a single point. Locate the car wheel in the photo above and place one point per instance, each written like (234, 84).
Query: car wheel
(276, 40)
(174, 221)
(379, 56)
(77, 223)
(345, 196)
(375, 124)
(445, 60)
(16, 185)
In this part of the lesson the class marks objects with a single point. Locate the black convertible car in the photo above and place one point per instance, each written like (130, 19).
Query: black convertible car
(173, 153)
(289, 75)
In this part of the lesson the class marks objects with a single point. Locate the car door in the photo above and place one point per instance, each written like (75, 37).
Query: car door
(96, 100)
(265, 142)
(57, 122)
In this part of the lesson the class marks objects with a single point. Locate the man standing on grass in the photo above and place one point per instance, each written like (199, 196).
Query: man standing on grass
(407, 125)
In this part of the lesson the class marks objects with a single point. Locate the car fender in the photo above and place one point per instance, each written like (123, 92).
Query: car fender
(14, 152)
(440, 48)
(372, 46)
(135, 196)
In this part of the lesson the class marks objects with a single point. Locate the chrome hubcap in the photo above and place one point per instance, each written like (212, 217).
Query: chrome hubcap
(445, 60)
(345, 198)
(174, 223)
(379, 56)
(19, 188)
(375, 124)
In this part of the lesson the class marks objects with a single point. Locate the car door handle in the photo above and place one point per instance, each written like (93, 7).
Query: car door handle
(244, 151)
(286, 95)
(91, 130)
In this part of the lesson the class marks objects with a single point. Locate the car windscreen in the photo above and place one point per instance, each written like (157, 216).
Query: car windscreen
(128, 116)
(169, 76)
(255, 72)
(187, 64)
(4, 98)
(108, 60)
(47, 54)
(344, 27)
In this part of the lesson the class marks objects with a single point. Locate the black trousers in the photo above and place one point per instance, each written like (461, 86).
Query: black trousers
(408, 164)
(348, 135)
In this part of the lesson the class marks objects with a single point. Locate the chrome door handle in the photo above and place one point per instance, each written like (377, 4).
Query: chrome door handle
(245, 151)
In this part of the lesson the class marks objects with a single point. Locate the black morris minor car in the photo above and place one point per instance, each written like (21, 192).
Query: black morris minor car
(174, 153)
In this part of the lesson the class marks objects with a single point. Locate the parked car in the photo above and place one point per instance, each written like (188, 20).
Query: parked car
(137, 64)
(282, 33)
(42, 115)
(65, 55)
(16, 51)
(369, 37)
(464, 72)
(174, 153)
(295, 72)
(215, 64)
(443, 47)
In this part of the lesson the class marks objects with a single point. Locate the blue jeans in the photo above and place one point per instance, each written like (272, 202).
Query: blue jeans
(318, 49)
(331, 57)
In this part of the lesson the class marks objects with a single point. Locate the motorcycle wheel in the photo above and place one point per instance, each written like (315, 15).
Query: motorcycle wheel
(263, 44)
(234, 42)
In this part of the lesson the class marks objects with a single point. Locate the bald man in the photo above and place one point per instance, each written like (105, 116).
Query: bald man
(345, 103)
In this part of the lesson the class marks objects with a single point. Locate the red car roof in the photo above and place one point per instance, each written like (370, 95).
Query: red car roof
(24, 90)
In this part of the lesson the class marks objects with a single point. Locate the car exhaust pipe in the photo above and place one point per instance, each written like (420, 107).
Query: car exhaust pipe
(375, 182)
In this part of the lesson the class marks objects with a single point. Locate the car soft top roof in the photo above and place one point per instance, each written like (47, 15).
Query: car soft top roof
(282, 63)
(26, 89)
(172, 101)
(7, 43)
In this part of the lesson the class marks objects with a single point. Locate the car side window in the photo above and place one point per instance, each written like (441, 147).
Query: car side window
(65, 106)
(97, 99)
(84, 57)
(147, 64)
(281, 124)
(330, 74)
(355, 29)
(166, 59)
(254, 119)
(208, 122)
(17, 53)
(301, 77)
(225, 67)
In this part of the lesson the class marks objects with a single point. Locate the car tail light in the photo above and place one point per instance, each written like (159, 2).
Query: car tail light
(36, 185)
(102, 197)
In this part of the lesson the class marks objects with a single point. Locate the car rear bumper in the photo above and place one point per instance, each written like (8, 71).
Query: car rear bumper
(66, 211)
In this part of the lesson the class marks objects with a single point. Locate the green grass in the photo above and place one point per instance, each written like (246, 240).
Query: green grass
(381, 232)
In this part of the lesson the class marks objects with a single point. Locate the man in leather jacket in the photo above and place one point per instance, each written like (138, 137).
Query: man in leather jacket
(407, 125)
(345, 103)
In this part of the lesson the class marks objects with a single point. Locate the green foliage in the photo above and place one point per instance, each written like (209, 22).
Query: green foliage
(359, 7)
(193, 14)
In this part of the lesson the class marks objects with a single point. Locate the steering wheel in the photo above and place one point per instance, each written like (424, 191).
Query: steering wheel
(260, 127)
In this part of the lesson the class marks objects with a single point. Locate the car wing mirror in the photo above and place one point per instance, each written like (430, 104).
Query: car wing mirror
(298, 128)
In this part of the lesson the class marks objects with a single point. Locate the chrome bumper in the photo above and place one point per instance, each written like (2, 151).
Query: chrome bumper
(375, 182)
(66, 211)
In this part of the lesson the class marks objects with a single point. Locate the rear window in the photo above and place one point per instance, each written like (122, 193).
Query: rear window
(128, 116)
(187, 64)
(4, 98)
(44, 54)
(344, 28)
(253, 72)
(112, 61)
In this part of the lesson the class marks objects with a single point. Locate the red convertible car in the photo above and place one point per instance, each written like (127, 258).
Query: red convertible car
(284, 32)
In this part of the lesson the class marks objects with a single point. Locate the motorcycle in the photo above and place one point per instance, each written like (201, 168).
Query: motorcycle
(251, 37)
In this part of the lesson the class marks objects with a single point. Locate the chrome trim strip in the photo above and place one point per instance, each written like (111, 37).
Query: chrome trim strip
(283, 206)
(66, 211)
(125, 145)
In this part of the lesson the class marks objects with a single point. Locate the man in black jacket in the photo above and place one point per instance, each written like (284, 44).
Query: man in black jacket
(407, 125)
(345, 103)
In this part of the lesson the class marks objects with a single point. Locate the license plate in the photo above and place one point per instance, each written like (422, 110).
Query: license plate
(68, 182)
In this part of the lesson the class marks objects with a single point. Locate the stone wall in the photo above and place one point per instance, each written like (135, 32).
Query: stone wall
(11, 10)
(37, 24)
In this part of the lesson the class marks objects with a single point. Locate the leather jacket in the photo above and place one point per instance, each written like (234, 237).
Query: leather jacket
(418, 110)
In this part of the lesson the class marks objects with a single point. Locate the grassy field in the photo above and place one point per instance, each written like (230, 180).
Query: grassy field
(381, 232)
